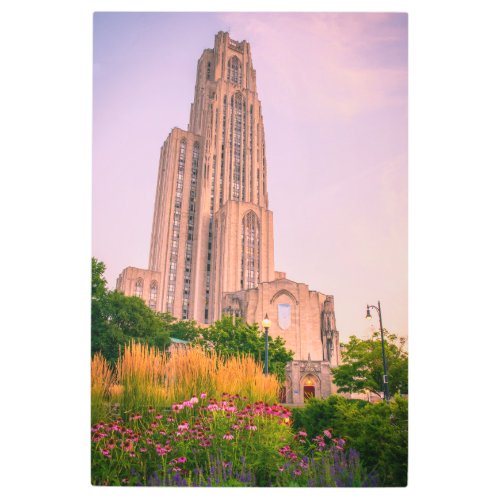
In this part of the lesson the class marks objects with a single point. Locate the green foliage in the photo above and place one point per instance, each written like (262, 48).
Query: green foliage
(379, 432)
(180, 329)
(362, 366)
(117, 319)
(230, 336)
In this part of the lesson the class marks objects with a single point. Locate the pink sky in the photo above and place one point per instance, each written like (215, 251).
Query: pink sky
(334, 94)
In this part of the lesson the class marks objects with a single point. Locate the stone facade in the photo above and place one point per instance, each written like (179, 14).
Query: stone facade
(212, 240)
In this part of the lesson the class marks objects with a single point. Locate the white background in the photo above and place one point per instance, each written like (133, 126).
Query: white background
(46, 97)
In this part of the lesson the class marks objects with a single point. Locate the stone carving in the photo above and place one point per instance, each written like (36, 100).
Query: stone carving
(310, 366)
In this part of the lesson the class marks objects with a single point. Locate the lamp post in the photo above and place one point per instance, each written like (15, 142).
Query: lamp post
(368, 315)
(266, 323)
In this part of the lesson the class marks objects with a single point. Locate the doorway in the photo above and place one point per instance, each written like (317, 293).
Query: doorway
(309, 391)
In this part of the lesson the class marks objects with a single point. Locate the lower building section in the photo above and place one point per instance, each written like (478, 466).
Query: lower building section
(307, 379)
(142, 283)
(305, 319)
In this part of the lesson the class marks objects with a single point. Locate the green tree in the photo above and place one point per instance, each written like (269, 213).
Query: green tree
(230, 336)
(180, 329)
(362, 365)
(117, 319)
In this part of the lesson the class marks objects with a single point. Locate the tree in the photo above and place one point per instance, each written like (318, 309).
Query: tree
(117, 319)
(362, 365)
(231, 336)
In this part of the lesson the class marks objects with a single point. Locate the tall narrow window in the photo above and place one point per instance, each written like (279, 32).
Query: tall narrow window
(221, 182)
(234, 71)
(138, 288)
(236, 145)
(153, 293)
(250, 251)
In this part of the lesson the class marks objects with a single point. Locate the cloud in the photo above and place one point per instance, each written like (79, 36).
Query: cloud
(344, 64)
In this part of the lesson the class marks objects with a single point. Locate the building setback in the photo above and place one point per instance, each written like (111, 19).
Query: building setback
(212, 241)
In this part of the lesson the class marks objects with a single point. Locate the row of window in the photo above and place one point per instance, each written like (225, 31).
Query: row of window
(153, 292)
(189, 243)
(172, 276)
(209, 250)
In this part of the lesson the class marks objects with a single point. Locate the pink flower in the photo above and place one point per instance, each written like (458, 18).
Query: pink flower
(303, 433)
(183, 427)
(159, 417)
(181, 460)
(212, 407)
(161, 451)
(297, 472)
(143, 450)
(203, 395)
(193, 400)
(327, 433)
(228, 436)
(281, 469)
(105, 452)
(177, 407)
(251, 427)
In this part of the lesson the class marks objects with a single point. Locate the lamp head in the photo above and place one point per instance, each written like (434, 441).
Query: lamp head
(266, 322)
(368, 315)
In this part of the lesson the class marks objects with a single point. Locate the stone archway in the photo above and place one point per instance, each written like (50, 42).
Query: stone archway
(310, 386)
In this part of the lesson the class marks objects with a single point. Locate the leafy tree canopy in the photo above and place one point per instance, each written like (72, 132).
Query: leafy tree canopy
(362, 366)
(117, 319)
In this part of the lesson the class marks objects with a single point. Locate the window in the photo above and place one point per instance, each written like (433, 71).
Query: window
(153, 290)
(250, 250)
(234, 71)
(138, 288)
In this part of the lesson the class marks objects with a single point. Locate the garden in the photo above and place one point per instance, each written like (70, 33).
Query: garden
(191, 417)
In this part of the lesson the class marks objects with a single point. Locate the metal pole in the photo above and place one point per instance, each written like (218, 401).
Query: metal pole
(386, 384)
(266, 367)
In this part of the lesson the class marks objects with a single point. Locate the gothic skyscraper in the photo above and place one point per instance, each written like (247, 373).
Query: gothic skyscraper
(212, 241)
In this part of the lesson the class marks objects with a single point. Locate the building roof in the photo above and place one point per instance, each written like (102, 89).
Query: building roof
(178, 341)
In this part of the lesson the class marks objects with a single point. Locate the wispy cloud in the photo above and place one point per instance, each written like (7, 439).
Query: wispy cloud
(351, 63)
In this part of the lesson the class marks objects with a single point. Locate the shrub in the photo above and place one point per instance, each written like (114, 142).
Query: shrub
(379, 432)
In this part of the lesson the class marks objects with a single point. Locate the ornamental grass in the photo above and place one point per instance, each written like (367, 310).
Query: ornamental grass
(102, 380)
(145, 376)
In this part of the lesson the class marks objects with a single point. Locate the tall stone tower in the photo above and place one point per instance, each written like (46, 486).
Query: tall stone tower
(212, 242)
(211, 177)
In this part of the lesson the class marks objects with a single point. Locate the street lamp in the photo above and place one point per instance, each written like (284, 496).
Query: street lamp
(266, 323)
(368, 315)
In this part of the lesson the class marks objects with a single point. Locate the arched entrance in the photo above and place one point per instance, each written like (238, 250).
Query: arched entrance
(310, 386)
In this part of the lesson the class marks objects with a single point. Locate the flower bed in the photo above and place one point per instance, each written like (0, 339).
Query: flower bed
(226, 442)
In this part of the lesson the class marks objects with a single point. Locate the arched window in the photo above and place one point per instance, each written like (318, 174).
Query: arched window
(153, 292)
(238, 106)
(138, 288)
(250, 251)
(234, 70)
